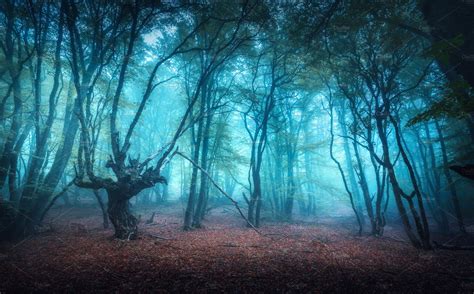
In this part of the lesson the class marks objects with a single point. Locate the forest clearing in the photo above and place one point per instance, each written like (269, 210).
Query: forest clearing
(305, 256)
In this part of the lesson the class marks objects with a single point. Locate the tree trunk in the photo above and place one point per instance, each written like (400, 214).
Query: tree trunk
(308, 168)
(376, 230)
(189, 213)
(291, 188)
(420, 220)
(350, 166)
(339, 167)
(258, 209)
(277, 182)
(254, 198)
(449, 178)
(434, 182)
(250, 212)
(398, 193)
(124, 222)
(203, 189)
(13, 133)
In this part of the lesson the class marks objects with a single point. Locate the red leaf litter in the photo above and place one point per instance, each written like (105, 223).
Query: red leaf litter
(75, 254)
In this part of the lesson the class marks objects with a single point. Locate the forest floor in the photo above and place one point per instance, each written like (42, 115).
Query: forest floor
(77, 255)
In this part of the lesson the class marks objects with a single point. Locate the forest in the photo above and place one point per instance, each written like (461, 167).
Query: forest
(270, 146)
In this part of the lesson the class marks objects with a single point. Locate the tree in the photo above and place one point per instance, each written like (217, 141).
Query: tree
(384, 87)
(134, 176)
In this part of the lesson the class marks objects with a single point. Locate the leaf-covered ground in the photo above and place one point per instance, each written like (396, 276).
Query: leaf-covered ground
(77, 255)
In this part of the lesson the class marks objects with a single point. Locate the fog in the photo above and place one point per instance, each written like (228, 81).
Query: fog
(285, 112)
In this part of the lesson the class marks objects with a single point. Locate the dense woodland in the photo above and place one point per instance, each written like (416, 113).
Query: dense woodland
(275, 110)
